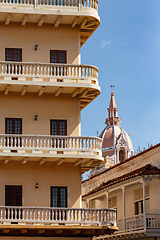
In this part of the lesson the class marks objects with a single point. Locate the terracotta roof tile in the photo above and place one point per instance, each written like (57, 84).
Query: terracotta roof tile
(146, 170)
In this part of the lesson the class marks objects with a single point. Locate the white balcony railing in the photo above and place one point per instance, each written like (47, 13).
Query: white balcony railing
(52, 3)
(50, 142)
(129, 224)
(57, 215)
(48, 70)
(139, 222)
(153, 221)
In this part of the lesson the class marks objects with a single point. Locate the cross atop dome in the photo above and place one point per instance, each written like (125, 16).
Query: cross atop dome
(112, 86)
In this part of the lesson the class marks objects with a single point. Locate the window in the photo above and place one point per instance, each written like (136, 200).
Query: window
(58, 56)
(59, 197)
(13, 54)
(138, 200)
(121, 155)
(13, 195)
(13, 126)
(58, 127)
(112, 202)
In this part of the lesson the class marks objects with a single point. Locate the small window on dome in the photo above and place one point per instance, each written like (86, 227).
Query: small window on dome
(121, 155)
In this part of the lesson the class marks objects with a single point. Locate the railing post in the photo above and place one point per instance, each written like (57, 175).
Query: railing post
(80, 5)
(123, 207)
(36, 4)
(144, 204)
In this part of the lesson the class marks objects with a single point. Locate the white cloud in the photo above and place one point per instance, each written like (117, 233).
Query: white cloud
(104, 43)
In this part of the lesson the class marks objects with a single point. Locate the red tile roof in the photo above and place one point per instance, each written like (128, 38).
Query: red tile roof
(127, 160)
(146, 170)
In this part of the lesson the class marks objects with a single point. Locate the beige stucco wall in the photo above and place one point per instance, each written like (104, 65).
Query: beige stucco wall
(46, 107)
(154, 196)
(48, 174)
(47, 37)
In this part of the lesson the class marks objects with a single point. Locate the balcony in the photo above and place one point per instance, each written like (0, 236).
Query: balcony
(51, 4)
(40, 78)
(82, 14)
(84, 151)
(137, 226)
(57, 221)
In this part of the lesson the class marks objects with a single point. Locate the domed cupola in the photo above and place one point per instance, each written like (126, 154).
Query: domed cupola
(116, 143)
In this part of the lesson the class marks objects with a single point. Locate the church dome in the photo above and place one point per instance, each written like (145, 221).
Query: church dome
(116, 143)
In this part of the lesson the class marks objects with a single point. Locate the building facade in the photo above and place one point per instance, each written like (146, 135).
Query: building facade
(131, 187)
(43, 88)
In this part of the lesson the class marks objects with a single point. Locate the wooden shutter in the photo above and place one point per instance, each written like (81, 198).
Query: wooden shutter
(113, 202)
(138, 193)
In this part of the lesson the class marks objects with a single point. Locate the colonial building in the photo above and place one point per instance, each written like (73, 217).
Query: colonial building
(43, 88)
(131, 187)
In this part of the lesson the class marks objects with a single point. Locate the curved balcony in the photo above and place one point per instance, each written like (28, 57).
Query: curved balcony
(57, 222)
(84, 151)
(52, 71)
(40, 78)
(52, 4)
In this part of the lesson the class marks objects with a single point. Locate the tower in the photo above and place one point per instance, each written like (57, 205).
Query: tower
(43, 88)
(116, 143)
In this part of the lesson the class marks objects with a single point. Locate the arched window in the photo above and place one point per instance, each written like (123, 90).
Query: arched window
(121, 155)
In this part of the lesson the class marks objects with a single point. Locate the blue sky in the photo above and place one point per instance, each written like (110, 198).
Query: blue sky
(126, 49)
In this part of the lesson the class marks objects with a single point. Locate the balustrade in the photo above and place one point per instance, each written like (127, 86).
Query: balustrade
(55, 3)
(153, 221)
(50, 142)
(136, 223)
(48, 70)
(58, 215)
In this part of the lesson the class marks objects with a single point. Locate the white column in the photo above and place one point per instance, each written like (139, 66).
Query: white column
(123, 207)
(117, 156)
(107, 200)
(144, 203)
